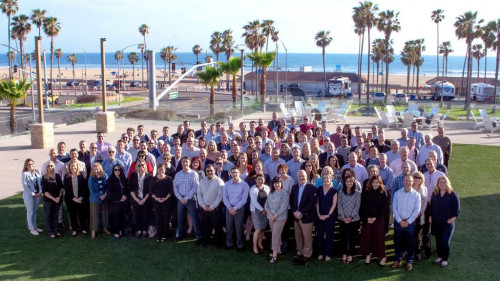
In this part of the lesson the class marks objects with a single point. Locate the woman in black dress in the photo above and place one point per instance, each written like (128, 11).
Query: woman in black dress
(76, 196)
(52, 188)
(162, 194)
(117, 195)
(139, 183)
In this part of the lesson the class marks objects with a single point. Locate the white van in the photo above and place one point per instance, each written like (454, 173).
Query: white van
(483, 92)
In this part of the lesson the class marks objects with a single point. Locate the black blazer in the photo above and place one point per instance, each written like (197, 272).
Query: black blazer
(115, 190)
(226, 147)
(224, 175)
(83, 189)
(307, 206)
(208, 162)
(323, 158)
(133, 183)
(178, 167)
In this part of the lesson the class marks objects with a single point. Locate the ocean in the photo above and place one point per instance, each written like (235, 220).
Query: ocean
(293, 62)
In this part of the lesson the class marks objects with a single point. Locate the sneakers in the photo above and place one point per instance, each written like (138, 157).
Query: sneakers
(34, 232)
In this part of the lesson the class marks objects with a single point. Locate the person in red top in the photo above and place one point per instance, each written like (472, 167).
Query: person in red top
(306, 125)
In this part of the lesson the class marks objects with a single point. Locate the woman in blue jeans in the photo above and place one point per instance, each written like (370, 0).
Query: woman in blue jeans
(32, 193)
(445, 208)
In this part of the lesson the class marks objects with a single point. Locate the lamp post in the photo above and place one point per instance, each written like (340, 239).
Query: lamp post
(123, 54)
(103, 75)
(286, 73)
(242, 77)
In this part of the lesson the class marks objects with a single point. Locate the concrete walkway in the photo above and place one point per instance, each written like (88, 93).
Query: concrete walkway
(14, 150)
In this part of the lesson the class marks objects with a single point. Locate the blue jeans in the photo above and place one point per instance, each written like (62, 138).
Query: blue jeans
(404, 238)
(31, 204)
(181, 210)
(444, 232)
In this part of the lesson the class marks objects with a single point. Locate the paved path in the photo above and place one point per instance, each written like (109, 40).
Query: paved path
(14, 150)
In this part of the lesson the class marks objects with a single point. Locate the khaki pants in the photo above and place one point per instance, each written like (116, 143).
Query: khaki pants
(276, 229)
(303, 238)
(99, 214)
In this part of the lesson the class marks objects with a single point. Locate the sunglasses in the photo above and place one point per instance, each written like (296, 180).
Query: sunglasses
(117, 170)
(93, 147)
(141, 166)
(218, 163)
(136, 140)
(111, 152)
(417, 178)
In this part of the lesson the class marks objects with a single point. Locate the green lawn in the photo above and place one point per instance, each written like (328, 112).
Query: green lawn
(475, 246)
(94, 104)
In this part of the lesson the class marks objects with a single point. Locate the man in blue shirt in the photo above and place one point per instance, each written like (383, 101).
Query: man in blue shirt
(234, 196)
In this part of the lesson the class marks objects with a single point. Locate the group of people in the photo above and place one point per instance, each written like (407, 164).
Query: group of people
(219, 183)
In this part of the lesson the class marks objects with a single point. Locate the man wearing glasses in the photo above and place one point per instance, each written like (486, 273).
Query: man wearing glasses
(135, 147)
(108, 164)
(306, 125)
(209, 197)
(185, 185)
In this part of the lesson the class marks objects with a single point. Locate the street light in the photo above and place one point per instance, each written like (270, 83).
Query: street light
(123, 54)
(242, 78)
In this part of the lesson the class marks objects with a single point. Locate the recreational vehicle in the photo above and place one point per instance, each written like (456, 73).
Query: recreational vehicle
(483, 92)
(444, 89)
(339, 87)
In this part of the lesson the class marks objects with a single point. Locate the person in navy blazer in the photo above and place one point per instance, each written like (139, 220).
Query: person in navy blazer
(304, 212)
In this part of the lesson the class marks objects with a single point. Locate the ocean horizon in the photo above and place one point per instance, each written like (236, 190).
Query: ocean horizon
(291, 62)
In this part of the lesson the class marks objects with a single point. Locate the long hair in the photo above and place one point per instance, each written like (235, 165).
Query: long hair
(100, 171)
(344, 185)
(70, 172)
(25, 167)
(275, 180)
(337, 165)
(313, 172)
(381, 188)
(449, 188)
(48, 166)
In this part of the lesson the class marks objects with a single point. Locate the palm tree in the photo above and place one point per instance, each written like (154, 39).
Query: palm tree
(323, 40)
(364, 18)
(378, 50)
(167, 54)
(208, 58)
(197, 51)
(477, 53)
(437, 17)
(253, 39)
(495, 28)
(227, 46)
(232, 67)
(11, 56)
(406, 60)
(210, 77)
(20, 28)
(13, 91)
(143, 30)
(37, 19)
(51, 27)
(9, 7)
(419, 48)
(73, 60)
(445, 49)
(467, 26)
(262, 60)
(142, 48)
(59, 55)
(268, 30)
(359, 29)
(133, 58)
(488, 37)
(119, 57)
(216, 44)
(388, 22)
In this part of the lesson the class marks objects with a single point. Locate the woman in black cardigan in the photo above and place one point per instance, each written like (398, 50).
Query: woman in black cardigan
(162, 194)
(139, 183)
(76, 197)
(117, 195)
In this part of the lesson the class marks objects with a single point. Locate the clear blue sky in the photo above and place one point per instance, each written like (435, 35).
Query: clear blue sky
(188, 22)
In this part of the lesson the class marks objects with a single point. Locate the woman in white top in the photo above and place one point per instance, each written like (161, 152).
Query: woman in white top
(258, 196)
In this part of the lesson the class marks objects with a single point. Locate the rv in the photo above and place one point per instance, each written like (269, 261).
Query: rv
(483, 92)
(444, 89)
(339, 87)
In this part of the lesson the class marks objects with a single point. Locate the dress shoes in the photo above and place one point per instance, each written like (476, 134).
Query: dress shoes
(396, 264)
(409, 267)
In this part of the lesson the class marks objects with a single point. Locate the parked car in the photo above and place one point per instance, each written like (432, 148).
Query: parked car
(135, 84)
(53, 98)
(72, 83)
(401, 98)
(378, 96)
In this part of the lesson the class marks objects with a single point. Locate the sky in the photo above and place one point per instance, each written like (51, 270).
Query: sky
(185, 23)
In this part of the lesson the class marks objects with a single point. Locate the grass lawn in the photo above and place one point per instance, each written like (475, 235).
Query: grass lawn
(475, 245)
(94, 104)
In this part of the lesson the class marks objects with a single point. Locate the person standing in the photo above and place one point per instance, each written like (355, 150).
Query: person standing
(349, 201)
(117, 195)
(327, 202)
(209, 197)
(52, 194)
(445, 143)
(76, 198)
(32, 193)
(234, 195)
(372, 212)
(302, 203)
(258, 197)
(186, 183)
(162, 193)
(139, 183)
(445, 208)
(406, 208)
(98, 208)
(276, 208)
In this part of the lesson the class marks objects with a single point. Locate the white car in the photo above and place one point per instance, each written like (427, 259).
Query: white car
(401, 98)
(378, 96)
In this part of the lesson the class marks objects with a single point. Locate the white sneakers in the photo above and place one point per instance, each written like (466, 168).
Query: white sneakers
(34, 232)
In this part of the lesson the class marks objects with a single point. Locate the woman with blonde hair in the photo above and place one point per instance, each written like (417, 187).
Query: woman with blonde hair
(32, 193)
(212, 152)
(305, 151)
(139, 184)
(445, 208)
(418, 186)
(99, 213)
(76, 198)
(52, 187)
(315, 146)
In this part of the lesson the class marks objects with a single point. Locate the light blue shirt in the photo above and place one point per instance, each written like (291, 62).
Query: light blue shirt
(406, 205)
(235, 194)
(294, 168)
(126, 158)
(271, 167)
(107, 166)
(301, 190)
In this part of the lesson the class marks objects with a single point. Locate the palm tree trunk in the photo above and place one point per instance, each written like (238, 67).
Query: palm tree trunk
(478, 60)
(263, 89)
(142, 68)
(324, 69)
(378, 69)
(21, 47)
(469, 76)
(437, 52)
(169, 72)
(418, 78)
(13, 121)
(10, 62)
(165, 73)
(386, 70)
(52, 62)
(463, 74)
(442, 68)
(133, 72)
(234, 90)
(73, 64)
(408, 79)
(368, 74)
(59, 72)
(212, 100)
(360, 67)
(485, 63)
